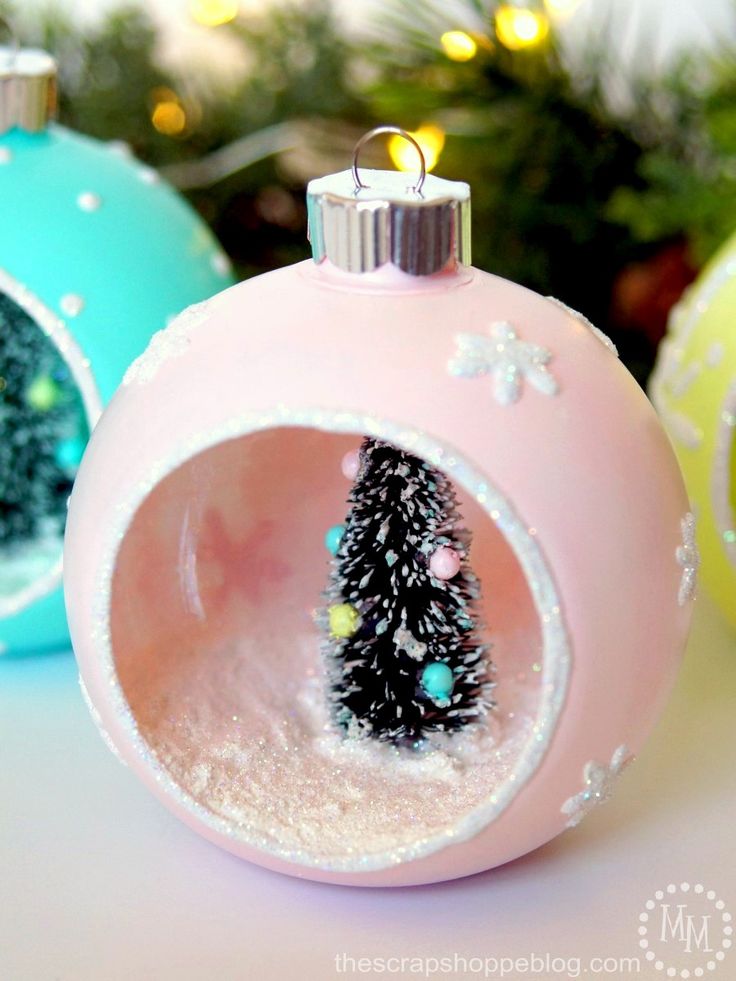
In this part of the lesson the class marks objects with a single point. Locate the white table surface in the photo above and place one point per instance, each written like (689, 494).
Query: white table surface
(98, 882)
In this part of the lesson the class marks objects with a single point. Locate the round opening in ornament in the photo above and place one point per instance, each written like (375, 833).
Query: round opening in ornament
(48, 404)
(234, 621)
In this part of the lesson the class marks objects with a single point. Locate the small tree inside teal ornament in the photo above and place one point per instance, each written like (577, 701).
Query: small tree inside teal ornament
(43, 432)
(403, 654)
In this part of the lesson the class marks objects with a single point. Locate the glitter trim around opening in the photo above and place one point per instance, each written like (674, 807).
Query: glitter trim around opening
(556, 647)
(721, 478)
(79, 365)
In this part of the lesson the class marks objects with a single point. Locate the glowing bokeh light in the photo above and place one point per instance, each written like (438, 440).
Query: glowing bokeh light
(458, 46)
(429, 136)
(520, 27)
(169, 118)
(213, 13)
(561, 8)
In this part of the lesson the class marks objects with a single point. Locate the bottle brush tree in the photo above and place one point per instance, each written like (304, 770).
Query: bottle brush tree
(403, 651)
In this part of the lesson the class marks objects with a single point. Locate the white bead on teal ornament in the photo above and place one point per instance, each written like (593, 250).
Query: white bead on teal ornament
(438, 681)
(96, 257)
(333, 537)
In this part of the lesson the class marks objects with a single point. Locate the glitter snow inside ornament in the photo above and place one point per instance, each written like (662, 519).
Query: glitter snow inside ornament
(220, 569)
(95, 256)
(694, 389)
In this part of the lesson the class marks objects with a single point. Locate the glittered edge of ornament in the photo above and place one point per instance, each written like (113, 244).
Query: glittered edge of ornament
(721, 477)
(556, 646)
(61, 337)
(582, 319)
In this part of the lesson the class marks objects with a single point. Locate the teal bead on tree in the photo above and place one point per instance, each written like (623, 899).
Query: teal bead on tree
(438, 681)
(333, 538)
(96, 255)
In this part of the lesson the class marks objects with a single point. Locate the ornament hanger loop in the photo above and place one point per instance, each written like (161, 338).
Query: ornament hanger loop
(7, 28)
(395, 131)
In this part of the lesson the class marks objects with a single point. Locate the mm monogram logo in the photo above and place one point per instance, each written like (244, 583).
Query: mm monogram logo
(685, 931)
(683, 927)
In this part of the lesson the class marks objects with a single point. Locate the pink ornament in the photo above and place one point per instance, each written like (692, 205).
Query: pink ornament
(177, 615)
(444, 563)
(351, 464)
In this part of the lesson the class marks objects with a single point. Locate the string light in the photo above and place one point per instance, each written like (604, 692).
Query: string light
(169, 118)
(429, 136)
(168, 115)
(213, 13)
(561, 8)
(458, 46)
(520, 27)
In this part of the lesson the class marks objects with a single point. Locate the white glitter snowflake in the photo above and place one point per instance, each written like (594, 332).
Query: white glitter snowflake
(603, 338)
(170, 342)
(509, 360)
(599, 781)
(689, 558)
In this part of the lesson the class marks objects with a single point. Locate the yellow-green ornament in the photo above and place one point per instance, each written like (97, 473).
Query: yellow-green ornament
(694, 389)
(344, 620)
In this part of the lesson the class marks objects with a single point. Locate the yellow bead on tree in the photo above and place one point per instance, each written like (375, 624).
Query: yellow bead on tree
(344, 620)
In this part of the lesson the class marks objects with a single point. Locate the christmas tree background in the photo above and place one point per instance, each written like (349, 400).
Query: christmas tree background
(606, 188)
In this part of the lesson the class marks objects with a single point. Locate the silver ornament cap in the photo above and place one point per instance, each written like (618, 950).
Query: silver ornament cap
(361, 219)
(27, 88)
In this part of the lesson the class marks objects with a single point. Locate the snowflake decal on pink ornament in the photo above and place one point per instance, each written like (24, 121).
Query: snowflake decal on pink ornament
(599, 780)
(168, 343)
(689, 558)
(509, 361)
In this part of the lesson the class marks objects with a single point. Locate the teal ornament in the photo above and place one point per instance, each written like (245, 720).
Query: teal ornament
(69, 452)
(98, 254)
(333, 538)
(438, 681)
